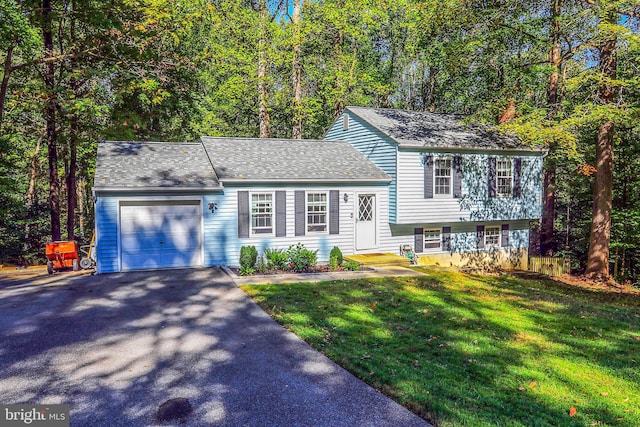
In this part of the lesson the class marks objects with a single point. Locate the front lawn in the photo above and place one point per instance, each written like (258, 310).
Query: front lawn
(464, 350)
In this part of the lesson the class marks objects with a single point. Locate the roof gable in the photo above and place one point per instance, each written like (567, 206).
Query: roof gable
(419, 129)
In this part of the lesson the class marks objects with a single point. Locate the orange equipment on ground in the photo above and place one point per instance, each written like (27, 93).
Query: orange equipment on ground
(61, 255)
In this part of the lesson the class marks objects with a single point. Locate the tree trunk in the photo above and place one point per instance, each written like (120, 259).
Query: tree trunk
(31, 192)
(338, 105)
(81, 206)
(598, 259)
(72, 195)
(50, 116)
(431, 99)
(5, 80)
(297, 72)
(547, 232)
(263, 92)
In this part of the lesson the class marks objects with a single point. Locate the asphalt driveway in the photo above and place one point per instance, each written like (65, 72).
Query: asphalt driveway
(114, 347)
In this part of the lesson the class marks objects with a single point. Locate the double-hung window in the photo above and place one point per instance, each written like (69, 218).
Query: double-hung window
(432, 239)
(262, 213)
(504, 177)
(317, 212)
(492, 237)
(442, 177)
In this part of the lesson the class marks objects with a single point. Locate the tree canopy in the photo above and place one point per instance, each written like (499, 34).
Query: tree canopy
(561, 73)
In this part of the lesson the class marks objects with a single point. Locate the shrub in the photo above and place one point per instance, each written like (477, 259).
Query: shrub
(276, 259)
(261, 266)
(246, 271)
(351, 266)
(248, 256)
(301, 258)
(335, 258)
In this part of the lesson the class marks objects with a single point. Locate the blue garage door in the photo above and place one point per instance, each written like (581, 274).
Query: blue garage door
(160, 235)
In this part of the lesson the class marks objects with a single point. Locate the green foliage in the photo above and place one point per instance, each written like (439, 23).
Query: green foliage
(301, 258)
(276, 259)
(248, 256)
(446, 343)
(335, 258)
(261, 266)
(351, 266)
(246, 271)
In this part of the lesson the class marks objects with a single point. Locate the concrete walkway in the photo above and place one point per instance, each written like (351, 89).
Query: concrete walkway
(323, 277)
(115, 346)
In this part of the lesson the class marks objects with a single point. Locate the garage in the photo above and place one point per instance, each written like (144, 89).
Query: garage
(160, 234)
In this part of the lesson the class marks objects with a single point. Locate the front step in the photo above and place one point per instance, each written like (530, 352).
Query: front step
(379, 260)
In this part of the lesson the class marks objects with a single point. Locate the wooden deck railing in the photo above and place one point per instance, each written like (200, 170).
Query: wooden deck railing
(549, 266)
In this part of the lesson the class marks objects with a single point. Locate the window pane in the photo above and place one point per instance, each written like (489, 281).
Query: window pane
(262, 213)
(492, 237)
(432, 238)
(316, 212)
(503, 177)
(442, 176)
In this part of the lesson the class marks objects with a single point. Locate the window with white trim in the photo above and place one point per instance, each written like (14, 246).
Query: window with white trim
(317, 212)
(262, 213)
(442, 177)
(504, 177)
(432, 239)
(492, 237)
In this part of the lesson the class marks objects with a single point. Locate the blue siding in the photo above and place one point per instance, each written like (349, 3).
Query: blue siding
(375, 146)
(107, 234)
(220, 232)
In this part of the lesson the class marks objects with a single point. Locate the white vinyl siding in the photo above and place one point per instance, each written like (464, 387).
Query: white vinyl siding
(442, 181)
(374, 146)
(222, 245)
(504, 177)
(474, 203)
(262, 214)
(317, 212)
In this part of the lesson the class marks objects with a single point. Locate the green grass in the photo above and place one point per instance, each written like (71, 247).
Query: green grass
(464, 350)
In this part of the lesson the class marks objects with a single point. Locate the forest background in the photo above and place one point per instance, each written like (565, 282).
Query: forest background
(560, 73)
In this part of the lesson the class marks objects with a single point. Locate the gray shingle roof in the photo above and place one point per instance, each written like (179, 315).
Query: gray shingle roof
(417, 129)
(129, 165)
(251, 159)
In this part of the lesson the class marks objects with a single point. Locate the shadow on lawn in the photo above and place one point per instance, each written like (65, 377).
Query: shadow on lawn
(116, 346)
(447, 352)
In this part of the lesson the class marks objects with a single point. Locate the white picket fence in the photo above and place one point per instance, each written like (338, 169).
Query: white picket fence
(549, 266)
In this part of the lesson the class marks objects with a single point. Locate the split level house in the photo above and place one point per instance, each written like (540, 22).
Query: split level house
(381, 180)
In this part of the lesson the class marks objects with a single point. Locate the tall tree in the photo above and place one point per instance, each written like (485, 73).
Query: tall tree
(51, 106)
(547, 231)
(263, 90)
(598, 261)
(297, 71)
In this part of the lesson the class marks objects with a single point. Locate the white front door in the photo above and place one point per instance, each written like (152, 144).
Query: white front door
(366, 222)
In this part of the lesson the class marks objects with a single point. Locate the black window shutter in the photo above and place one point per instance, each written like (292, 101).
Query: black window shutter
(281, 213)
(418, 240)
(334, 212)
(457, 177)
(480, 236)
(492, 177)
(517, 174)
(446, 239)
(428, 177)
(504, 237)
(300, 213)
(243, 214)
